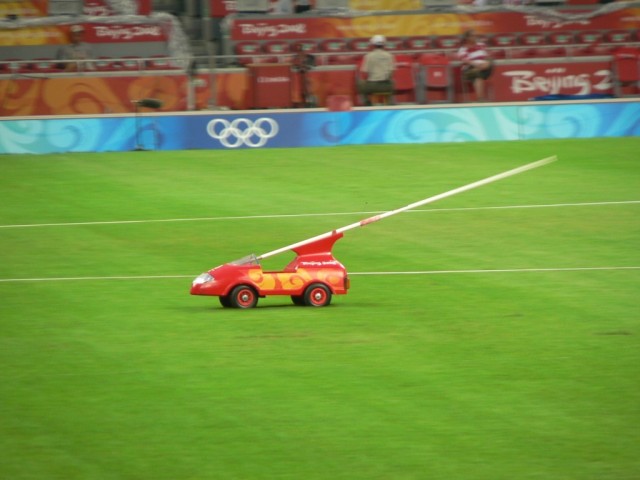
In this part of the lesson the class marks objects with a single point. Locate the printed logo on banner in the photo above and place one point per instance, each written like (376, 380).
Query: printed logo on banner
(242, 131)
(554, 23)
(128, 32)
(556, 80)
(96, 8)
(262, 30)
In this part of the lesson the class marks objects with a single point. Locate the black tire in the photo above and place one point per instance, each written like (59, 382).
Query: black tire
(298, 300)
(225, 301)
(317, 295)
(243, 296)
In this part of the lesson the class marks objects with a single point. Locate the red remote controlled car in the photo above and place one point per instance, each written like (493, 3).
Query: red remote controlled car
(312, 278)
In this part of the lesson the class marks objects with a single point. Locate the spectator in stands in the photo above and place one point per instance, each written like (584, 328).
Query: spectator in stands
(377, 69)
(477, 65)
(77, 49)
(301, 63)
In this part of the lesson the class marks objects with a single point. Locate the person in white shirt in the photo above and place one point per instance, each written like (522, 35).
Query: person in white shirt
(77, 49)
(477, 65)
(377, 67)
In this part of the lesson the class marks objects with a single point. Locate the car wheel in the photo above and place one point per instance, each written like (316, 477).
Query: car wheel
(225, 301)
(317, 295)
(243, 296)
(298, 300)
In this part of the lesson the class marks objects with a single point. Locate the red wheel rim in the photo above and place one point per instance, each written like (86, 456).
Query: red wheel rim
(318, 296)
(245, 297)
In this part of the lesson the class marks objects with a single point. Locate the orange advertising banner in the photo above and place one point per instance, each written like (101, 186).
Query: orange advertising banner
(30, 8)
(94, 33)
(49, 35)
(222, 8)
(89, 95)
(425, 24)
(382, 5)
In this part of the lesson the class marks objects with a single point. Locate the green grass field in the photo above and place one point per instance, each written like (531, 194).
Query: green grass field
(491, 335)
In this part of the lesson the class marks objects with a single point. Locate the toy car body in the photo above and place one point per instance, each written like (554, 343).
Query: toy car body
(311, 278)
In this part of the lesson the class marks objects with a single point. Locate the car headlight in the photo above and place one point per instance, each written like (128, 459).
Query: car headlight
(203, 278)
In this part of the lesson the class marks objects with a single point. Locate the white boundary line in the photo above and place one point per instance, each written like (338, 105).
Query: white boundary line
(334, 214)
(417, 272)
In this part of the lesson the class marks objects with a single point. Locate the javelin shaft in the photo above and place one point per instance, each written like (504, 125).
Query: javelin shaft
(435, 198)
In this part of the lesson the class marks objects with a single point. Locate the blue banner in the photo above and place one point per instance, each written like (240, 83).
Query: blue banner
(271, 129)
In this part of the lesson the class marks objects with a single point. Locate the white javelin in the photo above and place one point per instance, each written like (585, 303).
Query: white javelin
(375, 218)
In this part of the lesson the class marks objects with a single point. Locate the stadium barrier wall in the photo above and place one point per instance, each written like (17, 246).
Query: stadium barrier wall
(321, 128)
(240, 88)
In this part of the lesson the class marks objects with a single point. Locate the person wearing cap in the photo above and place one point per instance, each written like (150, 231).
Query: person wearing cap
(76, 49)
(377, 69)
(477, 65)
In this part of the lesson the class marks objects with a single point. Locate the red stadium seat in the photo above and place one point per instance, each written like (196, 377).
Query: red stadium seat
(418, 43)
(533, 39)
(549, 51)
(594, 36)
(602, 49)
(266, 59)
(248, 52)
(591, 50)
(561, 38)
(338, 51)
(619, 36)
(345, 58)
(579, 50)
(308, 46)
(447, 41)
(395, 43)
(437, 78)
(404, 79)
(130, 63)
(359, 44)
(277, 47)
(278, 51)
(15, 65)
(333, 45)
(44, 65)
(503, 40)
(159, 62)
(498, 53)
(522, 52)
(403, 60)
(626, 71)
(103, 64)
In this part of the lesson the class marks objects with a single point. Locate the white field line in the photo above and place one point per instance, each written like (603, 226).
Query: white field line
(416, 272)
(298, 215)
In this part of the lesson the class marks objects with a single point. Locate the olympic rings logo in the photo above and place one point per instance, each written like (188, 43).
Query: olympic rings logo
(242, 131)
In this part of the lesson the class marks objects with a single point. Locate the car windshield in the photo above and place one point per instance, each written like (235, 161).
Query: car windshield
(248, 260)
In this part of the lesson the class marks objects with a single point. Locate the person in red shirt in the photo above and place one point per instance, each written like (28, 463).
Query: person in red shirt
(477, 65)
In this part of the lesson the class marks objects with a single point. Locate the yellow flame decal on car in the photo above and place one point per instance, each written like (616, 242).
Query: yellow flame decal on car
(290, 281)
